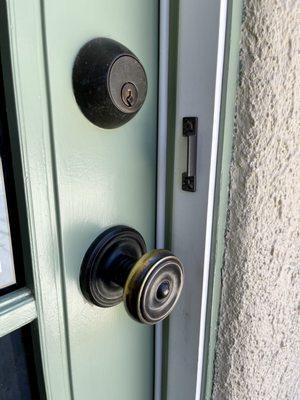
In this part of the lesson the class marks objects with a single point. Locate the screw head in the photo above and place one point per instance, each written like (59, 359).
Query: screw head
(129, 94)
(188, 127)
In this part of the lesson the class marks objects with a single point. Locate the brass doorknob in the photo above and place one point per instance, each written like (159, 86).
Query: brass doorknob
(117, 267)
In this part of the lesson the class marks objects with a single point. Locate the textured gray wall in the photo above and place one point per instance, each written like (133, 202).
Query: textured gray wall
(258, 348)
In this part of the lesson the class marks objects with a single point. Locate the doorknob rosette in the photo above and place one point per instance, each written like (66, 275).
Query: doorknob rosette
(117, 267)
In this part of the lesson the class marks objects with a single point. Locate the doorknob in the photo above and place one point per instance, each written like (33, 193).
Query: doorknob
(109, 83)
(117, 267)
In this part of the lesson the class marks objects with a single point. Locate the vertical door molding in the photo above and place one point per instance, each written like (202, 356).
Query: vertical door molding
(162, 140)
(30, 130)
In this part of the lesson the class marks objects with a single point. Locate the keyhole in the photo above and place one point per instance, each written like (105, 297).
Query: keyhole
(129, 98)
(129, 95)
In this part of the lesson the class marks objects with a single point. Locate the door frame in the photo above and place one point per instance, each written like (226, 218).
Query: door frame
(29, 129)
(207, 35)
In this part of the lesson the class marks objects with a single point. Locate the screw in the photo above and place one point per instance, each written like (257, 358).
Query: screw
(188, 127)
(129, 94)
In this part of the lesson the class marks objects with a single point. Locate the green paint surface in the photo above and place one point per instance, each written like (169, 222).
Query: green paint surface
(103, 177)
(78, 180)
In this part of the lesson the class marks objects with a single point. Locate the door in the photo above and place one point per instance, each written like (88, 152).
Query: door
(78, 174)
(102, 178)
(79, 180)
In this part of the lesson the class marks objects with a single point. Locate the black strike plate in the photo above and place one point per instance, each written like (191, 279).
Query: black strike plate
(189, 130)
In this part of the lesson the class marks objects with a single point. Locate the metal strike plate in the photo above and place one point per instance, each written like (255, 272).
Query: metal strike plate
(189, 130)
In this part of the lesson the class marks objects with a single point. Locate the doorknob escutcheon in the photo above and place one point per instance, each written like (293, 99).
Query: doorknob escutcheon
(117, 267)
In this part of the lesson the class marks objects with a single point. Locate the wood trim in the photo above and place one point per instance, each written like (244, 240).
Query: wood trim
(25, 77)
(16, 310)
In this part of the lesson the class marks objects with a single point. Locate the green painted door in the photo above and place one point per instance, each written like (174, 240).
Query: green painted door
(103, 177)
(79, 180)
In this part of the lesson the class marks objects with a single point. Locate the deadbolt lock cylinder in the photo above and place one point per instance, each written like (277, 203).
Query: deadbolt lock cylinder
(109, 83)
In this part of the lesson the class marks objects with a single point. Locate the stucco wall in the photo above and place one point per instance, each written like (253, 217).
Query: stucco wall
(258, 347)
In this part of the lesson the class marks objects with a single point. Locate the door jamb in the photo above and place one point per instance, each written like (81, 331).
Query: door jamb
(196, 33)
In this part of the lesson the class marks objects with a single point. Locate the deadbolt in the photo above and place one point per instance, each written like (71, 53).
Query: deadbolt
(117, 267)
(109, 83)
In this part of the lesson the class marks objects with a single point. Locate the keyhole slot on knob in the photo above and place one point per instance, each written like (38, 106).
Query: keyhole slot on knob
(117, 267)
(163, 290)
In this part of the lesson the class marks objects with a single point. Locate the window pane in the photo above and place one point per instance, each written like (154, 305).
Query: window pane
(11, 254)
(17, 375)
(7, 270)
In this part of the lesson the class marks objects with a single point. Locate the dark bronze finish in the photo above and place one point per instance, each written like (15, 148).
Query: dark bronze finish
(116, 267)
(189, 130)
(163, 290)
(109, 83)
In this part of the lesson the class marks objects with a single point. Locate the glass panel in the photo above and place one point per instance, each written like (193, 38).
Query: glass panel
(17, 371)
(11, 263)
(7, 270)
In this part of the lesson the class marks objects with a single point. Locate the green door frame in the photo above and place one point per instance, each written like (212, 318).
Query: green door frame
(28, 119)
